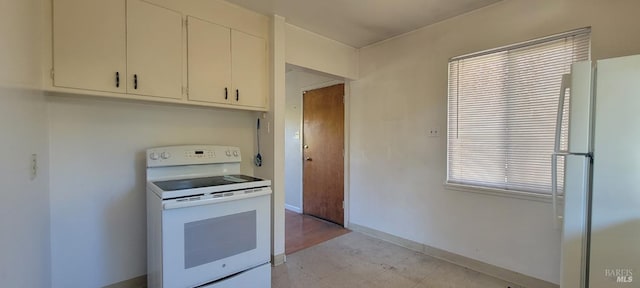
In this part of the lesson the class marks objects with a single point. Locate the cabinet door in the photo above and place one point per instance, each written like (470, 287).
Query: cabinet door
(249, 70)
(89, 46)
(209, 61)
(154, 50)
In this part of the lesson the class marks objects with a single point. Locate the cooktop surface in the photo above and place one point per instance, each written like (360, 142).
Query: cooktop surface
(184, 184)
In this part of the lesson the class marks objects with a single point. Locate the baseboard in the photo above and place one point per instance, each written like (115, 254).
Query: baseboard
(138, 282)
(486, 268)
(293, 208)
(278, 259)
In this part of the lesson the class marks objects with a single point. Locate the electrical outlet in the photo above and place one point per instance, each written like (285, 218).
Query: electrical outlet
(434, 132)
(34, 166)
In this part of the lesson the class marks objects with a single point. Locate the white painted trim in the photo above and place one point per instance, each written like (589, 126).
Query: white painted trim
(479, 266)
(277, 105)
(138, 282)
(293, 208)
(278, 259)
(545, 198)
(347, 144)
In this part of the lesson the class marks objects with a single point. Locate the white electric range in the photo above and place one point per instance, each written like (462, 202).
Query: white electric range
(207, 224)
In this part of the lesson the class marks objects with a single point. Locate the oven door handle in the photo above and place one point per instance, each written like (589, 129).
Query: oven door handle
(210, 201)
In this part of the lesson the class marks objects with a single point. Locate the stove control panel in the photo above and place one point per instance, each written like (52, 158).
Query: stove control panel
(192, 155)
(200, 154)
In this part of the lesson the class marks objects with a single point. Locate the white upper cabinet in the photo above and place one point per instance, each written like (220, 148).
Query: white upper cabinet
(226, 66)
(141, 49)
(249, 70)
(209, 61)
(154, 50)
(89, 44)
(117, 46)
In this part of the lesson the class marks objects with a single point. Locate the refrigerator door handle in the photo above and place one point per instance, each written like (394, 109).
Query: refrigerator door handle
(565, 84)
(557, 219)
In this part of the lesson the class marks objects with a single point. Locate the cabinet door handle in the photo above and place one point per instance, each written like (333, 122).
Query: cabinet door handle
(117, 79)
(135, 81)
(237, 95)
(226, 93)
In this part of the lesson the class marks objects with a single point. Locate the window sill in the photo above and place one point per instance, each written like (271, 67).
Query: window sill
(546, 198)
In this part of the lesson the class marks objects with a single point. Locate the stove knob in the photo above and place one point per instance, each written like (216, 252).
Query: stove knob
(228, 153)
(165, 155)
(235, 153)
(153, 156)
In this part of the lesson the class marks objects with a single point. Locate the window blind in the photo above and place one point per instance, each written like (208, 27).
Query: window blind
(502, 107)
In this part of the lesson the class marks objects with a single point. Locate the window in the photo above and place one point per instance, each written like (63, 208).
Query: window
(502, 113)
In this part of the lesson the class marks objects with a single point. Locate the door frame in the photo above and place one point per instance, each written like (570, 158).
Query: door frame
(346, 141)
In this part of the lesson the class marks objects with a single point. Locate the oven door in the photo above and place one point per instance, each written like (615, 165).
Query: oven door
(206, 240)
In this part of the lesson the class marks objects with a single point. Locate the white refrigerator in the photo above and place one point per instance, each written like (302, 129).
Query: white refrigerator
(600, 214)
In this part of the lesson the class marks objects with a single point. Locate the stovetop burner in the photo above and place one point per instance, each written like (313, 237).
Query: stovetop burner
(184, 184)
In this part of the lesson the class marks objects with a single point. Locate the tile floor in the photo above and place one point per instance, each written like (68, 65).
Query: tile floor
(357, 260)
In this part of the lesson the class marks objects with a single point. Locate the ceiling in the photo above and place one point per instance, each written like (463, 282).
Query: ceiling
(359, 23)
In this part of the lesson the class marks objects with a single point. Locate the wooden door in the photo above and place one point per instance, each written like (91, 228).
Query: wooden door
(89, 47)
(209, 61)
(323, 169)
(249, 69)
(154, 50)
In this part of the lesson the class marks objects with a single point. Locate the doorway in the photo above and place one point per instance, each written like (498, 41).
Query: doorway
(323, 153)
(302, 231)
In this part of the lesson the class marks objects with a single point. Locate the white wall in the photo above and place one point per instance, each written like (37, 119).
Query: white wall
(296, 81)
(24, 209)
(402, 92)
(309, 50)
(97, 148)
